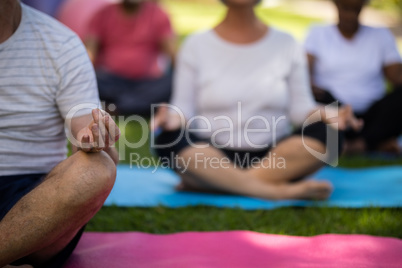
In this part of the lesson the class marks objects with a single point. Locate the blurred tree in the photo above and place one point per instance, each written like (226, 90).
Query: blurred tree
(387, 4)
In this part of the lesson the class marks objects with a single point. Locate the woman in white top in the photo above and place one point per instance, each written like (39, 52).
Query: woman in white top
(238, 89)
(350, 62)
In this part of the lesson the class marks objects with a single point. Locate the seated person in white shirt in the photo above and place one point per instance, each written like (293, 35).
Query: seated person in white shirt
(240, 86)
(350, 63)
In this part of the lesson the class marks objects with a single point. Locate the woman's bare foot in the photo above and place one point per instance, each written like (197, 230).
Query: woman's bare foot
(353, 147)
(389, 146)
(307, 190)
(182, 187)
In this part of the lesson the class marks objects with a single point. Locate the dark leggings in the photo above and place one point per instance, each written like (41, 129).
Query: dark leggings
(133, 96)
(317, 131)
(382, 121)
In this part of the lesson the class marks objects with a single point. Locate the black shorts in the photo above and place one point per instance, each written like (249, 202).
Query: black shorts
(317, 131)
(12, 189)
(382, 120)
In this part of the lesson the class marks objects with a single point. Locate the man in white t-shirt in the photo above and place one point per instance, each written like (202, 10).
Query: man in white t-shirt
(350, 62)
(46, 199)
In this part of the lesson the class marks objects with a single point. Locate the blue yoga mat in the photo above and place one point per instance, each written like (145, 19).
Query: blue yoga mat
(354, 188)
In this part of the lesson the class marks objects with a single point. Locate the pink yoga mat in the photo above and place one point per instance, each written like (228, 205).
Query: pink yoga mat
(234, 249)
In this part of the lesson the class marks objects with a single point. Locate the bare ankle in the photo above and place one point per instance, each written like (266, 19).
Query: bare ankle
(308, 190)
(389, 146)
(357, 146)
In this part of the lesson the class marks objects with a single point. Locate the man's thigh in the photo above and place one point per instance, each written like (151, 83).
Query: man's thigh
(13, 188)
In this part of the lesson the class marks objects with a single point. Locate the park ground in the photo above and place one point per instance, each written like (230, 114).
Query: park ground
(294, 17)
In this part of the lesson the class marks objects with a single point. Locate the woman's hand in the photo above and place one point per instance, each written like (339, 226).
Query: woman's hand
(347, 119)
(164, 120)
(344, 117)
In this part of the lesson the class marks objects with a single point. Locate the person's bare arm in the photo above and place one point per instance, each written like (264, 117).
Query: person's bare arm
(164, 120)
(393, 73)
(169, 48)
(343, 117)
(94, 133)
(92, 46)
(317, 91)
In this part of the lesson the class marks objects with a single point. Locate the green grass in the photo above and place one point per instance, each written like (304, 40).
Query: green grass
(189, 17)
(287, 221)
(131, 140)
(365, 161)
(389, 5)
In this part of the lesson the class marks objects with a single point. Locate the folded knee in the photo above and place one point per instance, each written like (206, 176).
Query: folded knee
(92, 178)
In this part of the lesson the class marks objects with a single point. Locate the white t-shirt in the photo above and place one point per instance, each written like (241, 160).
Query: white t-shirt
(262, 86)
(44, 72)
(352, 70)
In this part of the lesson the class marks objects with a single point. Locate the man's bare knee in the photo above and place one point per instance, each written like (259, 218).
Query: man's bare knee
(96, 174)
(89, 178)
